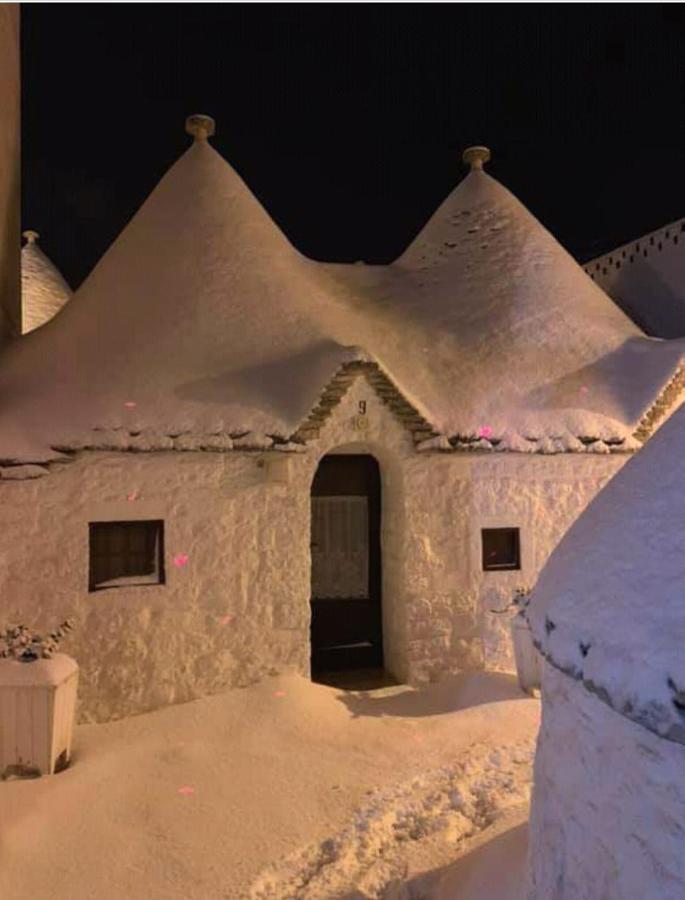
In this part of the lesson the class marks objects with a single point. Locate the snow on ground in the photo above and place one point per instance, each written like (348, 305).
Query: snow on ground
(285, 790)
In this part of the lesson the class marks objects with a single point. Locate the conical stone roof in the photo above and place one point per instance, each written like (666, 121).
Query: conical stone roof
(488, 304)
(202, 317)
(609, 607)
(43, 289)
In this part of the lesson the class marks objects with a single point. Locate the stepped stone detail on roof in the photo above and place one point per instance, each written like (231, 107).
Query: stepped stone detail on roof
(666, 401)
(338, 386)
(43, 289)
(484, 332)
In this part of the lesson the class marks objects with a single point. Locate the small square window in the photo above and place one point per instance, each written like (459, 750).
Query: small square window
(501, 549)
(124, 554)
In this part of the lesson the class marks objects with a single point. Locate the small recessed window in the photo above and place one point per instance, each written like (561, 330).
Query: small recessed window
(125, 554)
(501, 549)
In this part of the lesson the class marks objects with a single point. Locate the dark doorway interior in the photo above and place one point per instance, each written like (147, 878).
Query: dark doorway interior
(346, 629)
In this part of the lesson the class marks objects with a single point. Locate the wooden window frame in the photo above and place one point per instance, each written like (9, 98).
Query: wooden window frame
(514, 566)
(157, 577)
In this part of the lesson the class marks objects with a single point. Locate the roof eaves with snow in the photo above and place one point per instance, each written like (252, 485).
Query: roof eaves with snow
(663, 719)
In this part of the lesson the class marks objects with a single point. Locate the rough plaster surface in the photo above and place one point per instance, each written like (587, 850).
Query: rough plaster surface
(451, 498)
(242, 518)
(608, 807)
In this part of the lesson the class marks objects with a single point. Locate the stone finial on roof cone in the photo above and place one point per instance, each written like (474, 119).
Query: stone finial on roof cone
(200, 126)
(31, 236)
(476, 156)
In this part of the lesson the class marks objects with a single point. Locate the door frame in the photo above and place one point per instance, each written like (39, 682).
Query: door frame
(332, 484)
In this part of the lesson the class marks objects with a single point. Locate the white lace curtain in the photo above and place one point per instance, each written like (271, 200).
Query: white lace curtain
(340, 547)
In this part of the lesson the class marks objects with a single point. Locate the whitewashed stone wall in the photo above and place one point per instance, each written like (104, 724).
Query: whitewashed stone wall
(144, 647)
(608, 808)
(450, 498)
(245, 526)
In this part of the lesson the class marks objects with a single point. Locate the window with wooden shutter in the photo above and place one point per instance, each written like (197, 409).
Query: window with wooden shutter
(126, 553)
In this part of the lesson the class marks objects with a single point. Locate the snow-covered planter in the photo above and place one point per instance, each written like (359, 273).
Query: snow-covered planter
(37, 703)
(528, 663)
(526, 656)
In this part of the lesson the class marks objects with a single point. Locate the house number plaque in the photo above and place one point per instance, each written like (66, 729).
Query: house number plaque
(360, 422)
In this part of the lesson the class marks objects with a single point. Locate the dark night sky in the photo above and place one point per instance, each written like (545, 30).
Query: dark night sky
(348, 121)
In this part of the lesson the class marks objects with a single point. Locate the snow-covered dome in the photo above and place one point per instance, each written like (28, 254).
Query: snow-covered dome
(609, 607)
(43, 289)
(202, 317)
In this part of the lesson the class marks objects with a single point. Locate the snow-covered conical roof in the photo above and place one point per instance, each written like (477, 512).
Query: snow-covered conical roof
(491, 307)
(202, 317)
(43, 289)
(609, 607)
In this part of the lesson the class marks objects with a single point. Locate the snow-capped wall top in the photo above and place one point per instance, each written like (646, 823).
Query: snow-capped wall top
(43, 289)
(647, 279)
(609, 606)
(203, 318)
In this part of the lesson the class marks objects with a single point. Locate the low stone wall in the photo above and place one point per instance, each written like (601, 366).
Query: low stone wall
(608, 809)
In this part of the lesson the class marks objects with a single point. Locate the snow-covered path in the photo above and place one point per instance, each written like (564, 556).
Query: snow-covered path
(281, 790)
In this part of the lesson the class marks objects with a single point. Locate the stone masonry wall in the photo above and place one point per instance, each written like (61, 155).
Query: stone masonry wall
(608, 808)
(144, 647)
(243, 519)
(450, 498)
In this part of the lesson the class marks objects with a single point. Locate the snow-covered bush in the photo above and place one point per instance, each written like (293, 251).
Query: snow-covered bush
(19, 642)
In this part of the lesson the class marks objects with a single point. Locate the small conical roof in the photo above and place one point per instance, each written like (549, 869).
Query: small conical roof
(43, 289)
(609, 607)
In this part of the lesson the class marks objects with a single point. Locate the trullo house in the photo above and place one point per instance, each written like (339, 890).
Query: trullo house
(609, 799)
(43, 289)
(226, 460)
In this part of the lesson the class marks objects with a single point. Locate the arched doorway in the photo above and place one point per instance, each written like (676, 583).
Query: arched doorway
(346, 627)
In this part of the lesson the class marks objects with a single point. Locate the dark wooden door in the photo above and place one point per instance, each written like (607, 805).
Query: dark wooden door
(346, 630)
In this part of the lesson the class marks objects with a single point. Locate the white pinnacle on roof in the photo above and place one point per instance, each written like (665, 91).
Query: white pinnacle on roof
(205, 318)
(43, 289)
(609, 607)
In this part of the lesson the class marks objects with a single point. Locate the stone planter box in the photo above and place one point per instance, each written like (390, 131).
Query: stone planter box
(528, 663)
(37, 710)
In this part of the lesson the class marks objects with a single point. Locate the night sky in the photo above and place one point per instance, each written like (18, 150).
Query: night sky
(348, 121)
